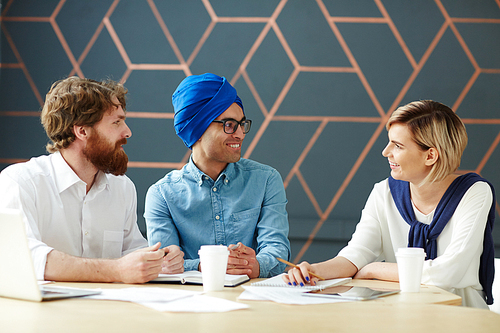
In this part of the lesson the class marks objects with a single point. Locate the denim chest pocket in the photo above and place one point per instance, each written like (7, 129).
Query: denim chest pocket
(112, 244)
(243, 223)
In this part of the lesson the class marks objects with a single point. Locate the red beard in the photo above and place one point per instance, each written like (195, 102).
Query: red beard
(101, 153)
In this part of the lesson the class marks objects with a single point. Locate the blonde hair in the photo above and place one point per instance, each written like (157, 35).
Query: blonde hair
(77, 101)
(434, 125)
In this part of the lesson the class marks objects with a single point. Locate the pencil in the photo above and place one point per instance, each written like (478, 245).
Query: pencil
(293, 265)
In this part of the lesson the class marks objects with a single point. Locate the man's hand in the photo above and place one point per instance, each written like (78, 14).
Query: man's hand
(142, 265)
(173, 262)
(242, 260)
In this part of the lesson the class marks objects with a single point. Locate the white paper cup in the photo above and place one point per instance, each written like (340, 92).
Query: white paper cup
(410, 263)
(213, 261)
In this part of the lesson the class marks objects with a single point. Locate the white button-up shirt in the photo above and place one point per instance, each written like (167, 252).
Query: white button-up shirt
(60, 215)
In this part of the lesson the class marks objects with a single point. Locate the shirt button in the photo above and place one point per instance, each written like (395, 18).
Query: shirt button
(217, 217)
(214, 189)
(86, 233)
(226, 181)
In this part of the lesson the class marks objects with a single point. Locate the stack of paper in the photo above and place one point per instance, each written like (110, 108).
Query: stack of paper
(276, 290)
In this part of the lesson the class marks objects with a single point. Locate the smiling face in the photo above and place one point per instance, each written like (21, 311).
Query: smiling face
(215, 149)
(407, 160)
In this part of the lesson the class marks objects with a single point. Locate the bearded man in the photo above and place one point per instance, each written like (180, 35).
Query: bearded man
(78, 206)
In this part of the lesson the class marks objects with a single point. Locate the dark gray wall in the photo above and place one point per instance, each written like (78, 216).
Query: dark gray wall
(318, 78)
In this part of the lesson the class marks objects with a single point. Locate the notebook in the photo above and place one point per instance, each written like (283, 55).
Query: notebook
(277, 281)
(195, 277)
(17, 273)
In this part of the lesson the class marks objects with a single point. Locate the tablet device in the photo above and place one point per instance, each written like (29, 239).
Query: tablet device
(351, 293)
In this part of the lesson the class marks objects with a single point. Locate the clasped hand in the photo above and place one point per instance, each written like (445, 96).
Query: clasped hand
(145, 264)
(242, 260)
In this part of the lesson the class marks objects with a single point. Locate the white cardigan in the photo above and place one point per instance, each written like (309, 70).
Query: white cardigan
(382, 230)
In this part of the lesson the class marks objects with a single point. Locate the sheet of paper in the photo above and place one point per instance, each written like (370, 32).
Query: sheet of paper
(172, 300)
(140, 295)
(282, 295)
(197, 303)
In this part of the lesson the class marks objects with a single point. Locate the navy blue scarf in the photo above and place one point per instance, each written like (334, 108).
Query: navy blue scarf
(425, 236)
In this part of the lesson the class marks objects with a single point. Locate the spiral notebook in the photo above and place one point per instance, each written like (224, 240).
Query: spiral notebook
(277, 281)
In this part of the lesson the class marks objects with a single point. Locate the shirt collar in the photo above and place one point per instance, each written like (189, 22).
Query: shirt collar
(65, 177)
(199, 176)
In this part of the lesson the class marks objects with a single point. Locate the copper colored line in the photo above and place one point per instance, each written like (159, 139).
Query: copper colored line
(481, 121)
(340, 191)
(210, 10)
(67, 49)
(306, 150)
(354, 169)
(26, 19)
(490, 70)
(242, 19)
(155, 165)
(255, 93)
(466, 89)
(396, 34)
(5, 65)
(255, 46)
(309, 193)
(338, 19)
(474, 20)
(329, 118)
(285, 46)
(186, 157)
(150, 115)
(202, 40)
(271, 113)
(7, 6)
(309, 241)
(419, 67)
(351, 59)
(20, 113)
(88, 47)
(488, 154)
(12, 160)
(57, 10)
(457, 34)
(166, 32)
(167, 67)
(22, 64)
(327, 69)
(117, 41)
(125, 75)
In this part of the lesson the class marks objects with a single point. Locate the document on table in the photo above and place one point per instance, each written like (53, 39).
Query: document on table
(166, 299)
(282, 295)
(276, 290)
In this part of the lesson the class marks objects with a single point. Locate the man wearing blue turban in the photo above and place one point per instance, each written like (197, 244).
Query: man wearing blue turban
(218, 198)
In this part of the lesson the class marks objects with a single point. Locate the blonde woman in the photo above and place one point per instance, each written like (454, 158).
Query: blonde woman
(423, 204)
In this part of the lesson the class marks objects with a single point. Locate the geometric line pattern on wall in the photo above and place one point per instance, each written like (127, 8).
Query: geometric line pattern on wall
(275, 31)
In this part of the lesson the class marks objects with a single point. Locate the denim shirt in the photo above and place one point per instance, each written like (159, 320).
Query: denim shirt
(245, 204)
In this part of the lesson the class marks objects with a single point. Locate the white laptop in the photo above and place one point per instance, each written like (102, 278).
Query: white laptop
(17, 273)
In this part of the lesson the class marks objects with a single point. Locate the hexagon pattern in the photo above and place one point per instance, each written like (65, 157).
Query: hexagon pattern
(318, 78)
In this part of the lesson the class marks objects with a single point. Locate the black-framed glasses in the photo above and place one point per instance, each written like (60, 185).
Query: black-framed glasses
(231, 125)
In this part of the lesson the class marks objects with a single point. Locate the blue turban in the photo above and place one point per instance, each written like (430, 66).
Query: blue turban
(198, 100)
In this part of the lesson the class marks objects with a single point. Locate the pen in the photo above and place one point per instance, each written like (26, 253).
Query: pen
(293, 265)
(234, 247)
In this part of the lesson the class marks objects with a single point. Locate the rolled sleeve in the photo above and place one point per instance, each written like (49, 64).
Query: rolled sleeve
(273, 229)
